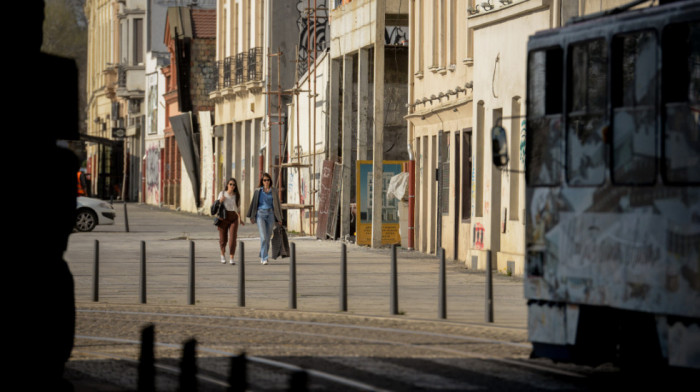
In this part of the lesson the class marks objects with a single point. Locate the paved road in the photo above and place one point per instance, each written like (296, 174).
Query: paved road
(414, 351)
(167, 235)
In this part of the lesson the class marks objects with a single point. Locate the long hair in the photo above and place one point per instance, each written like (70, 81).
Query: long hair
(260, 182)
(235, 191)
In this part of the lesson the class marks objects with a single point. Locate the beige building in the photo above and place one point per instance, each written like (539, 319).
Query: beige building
(468, 74)
(440, 99)
(115, 91)
(251, 36)
(103, 154)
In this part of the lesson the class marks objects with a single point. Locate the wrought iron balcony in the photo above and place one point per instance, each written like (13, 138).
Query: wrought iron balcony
(241, 67)
(254, 64)
(121, 76)
(227, 71)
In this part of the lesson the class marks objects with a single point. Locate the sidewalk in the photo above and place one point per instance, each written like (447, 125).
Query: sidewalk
(167, 235)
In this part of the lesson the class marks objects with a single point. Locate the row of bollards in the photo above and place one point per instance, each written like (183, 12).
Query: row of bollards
(343, 294)
(237, 377)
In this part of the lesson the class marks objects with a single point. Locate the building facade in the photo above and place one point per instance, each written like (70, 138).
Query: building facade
(190, 36)
(104, 154)
(255, 43)
(366, 117)
(441, 135)
(468, 74)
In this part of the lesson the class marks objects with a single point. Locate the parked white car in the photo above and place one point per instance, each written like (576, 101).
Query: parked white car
(92, 212)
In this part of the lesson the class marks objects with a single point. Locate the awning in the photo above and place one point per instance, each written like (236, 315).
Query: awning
(188, 144)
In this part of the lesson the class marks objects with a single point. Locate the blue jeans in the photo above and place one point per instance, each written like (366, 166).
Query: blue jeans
(266, 222)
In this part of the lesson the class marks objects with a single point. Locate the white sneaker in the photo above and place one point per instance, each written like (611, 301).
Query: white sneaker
(264, 262)
(231, 261)
(223, 260)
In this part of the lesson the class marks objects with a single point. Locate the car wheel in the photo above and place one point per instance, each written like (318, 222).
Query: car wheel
(86, 220)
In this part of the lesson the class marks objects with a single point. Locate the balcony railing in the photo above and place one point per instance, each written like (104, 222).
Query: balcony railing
(241, 68)
(121, 76)
(255, 64)
(227, 72)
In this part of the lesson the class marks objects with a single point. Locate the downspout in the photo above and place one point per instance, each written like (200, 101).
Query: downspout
(266, 120)
(409, 141)
(411, 194)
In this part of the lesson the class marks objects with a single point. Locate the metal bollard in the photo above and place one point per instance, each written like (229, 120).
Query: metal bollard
(293, 276)
(299, 381)
(190, 292)
(241, 274)
(238, 375)
(394, 296)
(142, 284)
(489, 289)
(442, 292)
(96, 274)
(126, 218)
(147, 369)
(188, 366)
(343, 278)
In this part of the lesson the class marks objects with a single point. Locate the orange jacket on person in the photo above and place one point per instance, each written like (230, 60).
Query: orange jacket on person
(81, 188)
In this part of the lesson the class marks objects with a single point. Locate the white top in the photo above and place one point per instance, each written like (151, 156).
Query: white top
(229, 201)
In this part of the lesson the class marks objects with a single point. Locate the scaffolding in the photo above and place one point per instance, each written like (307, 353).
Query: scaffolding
(294, 157)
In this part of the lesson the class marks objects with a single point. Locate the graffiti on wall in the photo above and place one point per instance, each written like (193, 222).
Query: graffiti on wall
(153, 173)
(396, 35)
(478, 237)
(474, 190)
(311, 25)
(152, 112)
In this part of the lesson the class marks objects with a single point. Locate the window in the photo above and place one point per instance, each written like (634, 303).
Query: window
(544, 110)
(517, 130)
(681, 103)
(481, 162)
(585, 164)
(138, 42)
(444, 165)
(466, 174)
(634, 115)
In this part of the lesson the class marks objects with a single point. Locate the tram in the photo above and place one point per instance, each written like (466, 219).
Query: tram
(613, 188)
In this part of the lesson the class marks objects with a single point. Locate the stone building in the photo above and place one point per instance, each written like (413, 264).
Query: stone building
(190, 36)
(157, 57)
(467, 74)
(440, 126)
(255, 46)
(115, 89)
(366, 117)
(104, 154)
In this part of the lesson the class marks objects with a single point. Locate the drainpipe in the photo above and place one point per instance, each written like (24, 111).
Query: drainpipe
(411, 194)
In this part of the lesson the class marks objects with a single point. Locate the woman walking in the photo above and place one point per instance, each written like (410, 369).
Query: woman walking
(230, 200)
(265, 210)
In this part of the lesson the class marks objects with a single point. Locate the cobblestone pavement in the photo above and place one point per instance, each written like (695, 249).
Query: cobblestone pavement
(385, 353)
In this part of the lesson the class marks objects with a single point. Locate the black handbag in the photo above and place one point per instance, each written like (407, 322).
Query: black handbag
(218, 210)
(215, 208)
(279, 242)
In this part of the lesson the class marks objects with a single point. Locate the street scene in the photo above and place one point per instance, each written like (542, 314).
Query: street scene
(362, 348)
(395, 195)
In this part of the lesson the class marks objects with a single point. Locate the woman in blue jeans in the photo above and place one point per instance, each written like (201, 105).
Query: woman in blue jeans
(265, 210)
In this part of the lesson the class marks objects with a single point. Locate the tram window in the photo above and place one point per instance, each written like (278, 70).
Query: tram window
(681, 103)
(544, 157)
(634, 102)
(587, 70)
